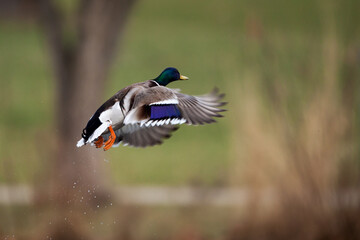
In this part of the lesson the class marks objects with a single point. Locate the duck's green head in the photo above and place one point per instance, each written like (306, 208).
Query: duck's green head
(169, 75)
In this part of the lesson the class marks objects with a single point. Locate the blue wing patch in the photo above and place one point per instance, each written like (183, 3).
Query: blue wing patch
(164, 111)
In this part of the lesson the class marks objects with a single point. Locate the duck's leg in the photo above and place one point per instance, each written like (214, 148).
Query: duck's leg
(99, 143)
(111, 139)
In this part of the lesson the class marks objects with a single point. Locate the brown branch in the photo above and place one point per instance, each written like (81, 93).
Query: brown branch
(80, 68)
(100, 25)
(62, 54)
(52, 22)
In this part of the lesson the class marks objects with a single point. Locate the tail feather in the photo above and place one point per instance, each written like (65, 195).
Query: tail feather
(81, 142)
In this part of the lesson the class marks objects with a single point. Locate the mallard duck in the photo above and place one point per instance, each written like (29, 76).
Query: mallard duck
(143, 114)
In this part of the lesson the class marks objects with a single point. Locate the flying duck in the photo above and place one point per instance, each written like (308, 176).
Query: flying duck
(143, 114)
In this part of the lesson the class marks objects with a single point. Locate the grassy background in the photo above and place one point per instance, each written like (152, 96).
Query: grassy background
(291, 73)
(214, 43)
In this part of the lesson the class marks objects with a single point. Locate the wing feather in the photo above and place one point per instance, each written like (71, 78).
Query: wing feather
(140, 130)
(198, 110)
(143, 136)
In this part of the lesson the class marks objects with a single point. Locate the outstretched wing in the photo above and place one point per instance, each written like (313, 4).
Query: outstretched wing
(156, 111)
(155, 107)
(137, 136)
(163, 106)
(200, 109)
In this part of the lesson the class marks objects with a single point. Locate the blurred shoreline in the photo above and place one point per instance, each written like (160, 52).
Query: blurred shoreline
(182, 196)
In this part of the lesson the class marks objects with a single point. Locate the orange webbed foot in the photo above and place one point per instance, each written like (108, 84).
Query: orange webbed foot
(111, 139)
(99, 143)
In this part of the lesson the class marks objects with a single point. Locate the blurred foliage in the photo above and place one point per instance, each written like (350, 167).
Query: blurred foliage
(291, 73)
(215, 44)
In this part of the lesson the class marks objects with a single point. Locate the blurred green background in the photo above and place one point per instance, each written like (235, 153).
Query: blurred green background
(214, 43)
(290, 71)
